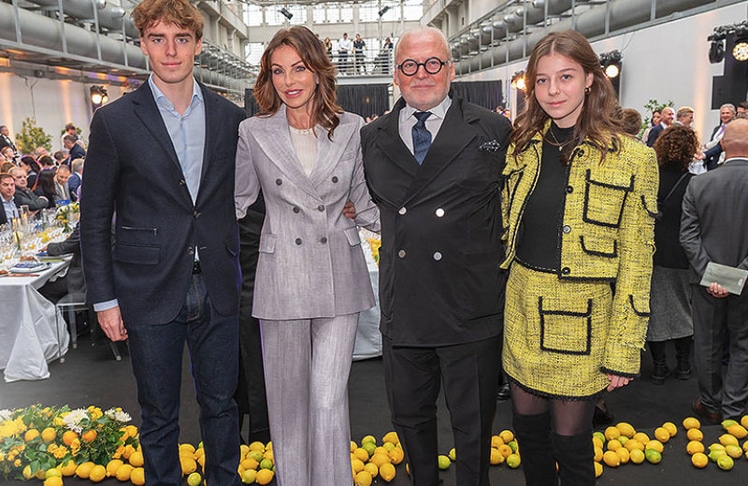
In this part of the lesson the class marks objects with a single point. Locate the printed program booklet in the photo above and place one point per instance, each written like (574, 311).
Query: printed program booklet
(731, 278)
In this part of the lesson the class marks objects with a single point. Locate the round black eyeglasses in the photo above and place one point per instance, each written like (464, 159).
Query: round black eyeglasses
(432, 65)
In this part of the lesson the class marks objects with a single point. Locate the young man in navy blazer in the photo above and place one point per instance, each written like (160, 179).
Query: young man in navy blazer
(160, 170)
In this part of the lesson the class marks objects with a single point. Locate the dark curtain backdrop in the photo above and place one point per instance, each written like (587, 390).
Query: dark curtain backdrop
(370, 99)
(488, 94)
(364, 100)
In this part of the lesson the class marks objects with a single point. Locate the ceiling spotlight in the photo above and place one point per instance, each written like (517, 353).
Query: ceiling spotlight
(612, 71)
(383, 10)
(716, 52)
(611, 63)
(518, 81)
(286, 13)
(740, 51)
(99, 95)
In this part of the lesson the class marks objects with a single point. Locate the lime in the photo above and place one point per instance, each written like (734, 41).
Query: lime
(452, 454)
(653, 456)
(444, 462)
(194, 479)
(725, 462)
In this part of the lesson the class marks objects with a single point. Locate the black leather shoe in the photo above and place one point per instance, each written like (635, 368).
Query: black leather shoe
(700, 410)
(505, 393)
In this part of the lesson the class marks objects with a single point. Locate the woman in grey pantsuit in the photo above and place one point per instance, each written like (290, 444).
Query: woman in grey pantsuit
(304, 153)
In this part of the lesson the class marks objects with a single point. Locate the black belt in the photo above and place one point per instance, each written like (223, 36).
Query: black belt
(196, 267)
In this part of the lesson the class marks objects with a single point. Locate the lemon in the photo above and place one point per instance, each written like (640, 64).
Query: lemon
(112, 466)
(636, 456)
(387, 472)
(250, 463)
(654, 445)
(49, 434)
(623, 439)
(452, 454)
(626, 429)
(382, 458)
(506, 435)
(598, 469)
(137, 476)
(671, 428)
(194, 479)
(30, 435)
(83, 471)
(745, 446)
(598, 454)
(641, 437)
(653, 456)
(380, 450)
(248, 476)
(388, 446)
(391, 437)
(397, 455)
(505, 450)
(186, 448)
(733, 451)
(243, 449)
(257, 446)
(369, 438)
(611, 459)
(361, 454)
(264, 476)
(600, 436)
(691, 423)
(715, 454)
(256, 455)
(513, 461)
(662, 434)
(372, 468)
(357, 465)
(725, 462)
(624, 454)
(68, 468)
(269, 454)
(737, 430)
(189, 465)
(123, 473)
(634, 444)
(444, 462)
(53, 481)
(40, 474)
(362, 479)
(695, 434)
(699, 460)
(495, 458)
(612, 433)
(694, 446)
(727, 439)
(744, 421)
(596, 442)
(614, 445)
(136, 459)
(98, 473)
(52, 472)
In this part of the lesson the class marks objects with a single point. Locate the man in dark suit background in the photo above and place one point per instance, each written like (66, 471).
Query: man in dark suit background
(441, 290)
(666, 119)
(714, 229)
(163, 159)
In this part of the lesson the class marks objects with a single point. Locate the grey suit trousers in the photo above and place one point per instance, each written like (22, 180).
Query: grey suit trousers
(307, 365)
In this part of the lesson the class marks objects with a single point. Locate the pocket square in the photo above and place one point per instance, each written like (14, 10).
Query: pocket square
(490, 146)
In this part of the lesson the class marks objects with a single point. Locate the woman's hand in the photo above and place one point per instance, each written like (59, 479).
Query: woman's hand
(349, 210)
(617, 381)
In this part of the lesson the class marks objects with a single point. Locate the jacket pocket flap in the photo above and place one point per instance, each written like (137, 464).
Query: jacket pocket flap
(604, 247)
(353, 236)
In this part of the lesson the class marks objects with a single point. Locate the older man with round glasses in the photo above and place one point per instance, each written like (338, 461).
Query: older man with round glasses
(433, 166)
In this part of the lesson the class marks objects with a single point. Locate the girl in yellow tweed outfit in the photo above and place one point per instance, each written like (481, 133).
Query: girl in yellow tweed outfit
(579, 205)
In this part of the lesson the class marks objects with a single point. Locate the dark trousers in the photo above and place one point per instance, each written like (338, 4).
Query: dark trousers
(470, 375)
(156, 357)
(712, 318)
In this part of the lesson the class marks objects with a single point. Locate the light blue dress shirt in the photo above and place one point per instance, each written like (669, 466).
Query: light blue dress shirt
(11, 211)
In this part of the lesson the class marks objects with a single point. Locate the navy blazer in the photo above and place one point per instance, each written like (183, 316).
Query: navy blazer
(135, 183)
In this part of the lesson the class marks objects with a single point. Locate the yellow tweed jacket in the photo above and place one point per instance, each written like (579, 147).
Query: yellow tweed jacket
(607, 232)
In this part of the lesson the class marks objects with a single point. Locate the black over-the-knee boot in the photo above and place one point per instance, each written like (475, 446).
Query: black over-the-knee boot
(538, 463)
(575, 455)
(683, 354)
(660, 370)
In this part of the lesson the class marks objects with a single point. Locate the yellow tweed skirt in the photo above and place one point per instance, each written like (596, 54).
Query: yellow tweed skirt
(555, 333)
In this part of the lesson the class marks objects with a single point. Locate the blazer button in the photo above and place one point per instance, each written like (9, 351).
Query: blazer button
(182, 182)
(196, 214)
(439, 212)
(298, 241)
(321, 208)
(569, 189)
(323, 240)
(566, 270)
(296, 209)
(402, 211)
(437, 256)
(191, 251)
(401, 253)
(335, 179)
(278, 182)
(566, 229)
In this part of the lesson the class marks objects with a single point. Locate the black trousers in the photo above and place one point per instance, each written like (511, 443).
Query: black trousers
(470, 375)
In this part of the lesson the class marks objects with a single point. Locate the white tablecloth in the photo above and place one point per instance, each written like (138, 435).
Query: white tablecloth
(368, 339)
(28, 338)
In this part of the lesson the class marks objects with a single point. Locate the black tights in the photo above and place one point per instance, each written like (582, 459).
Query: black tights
(568, 417)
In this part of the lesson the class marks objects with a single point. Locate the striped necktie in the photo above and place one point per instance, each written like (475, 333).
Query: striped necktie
(421, 136)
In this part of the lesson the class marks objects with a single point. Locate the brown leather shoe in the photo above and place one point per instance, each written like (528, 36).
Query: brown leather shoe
(700, 410)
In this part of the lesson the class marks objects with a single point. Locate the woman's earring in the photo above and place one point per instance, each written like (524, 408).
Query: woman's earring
(587, 90)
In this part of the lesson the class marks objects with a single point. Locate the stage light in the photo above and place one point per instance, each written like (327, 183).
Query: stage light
(612, 70)
(717, 52)
(611, 63)
(383, 11)
(286, 13)
(518, 81)
(99, 95)
(740, 51)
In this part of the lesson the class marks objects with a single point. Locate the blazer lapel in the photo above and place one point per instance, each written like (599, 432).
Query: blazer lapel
(274, 138)
(147, 112)
(454, 135)
(392, 145)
